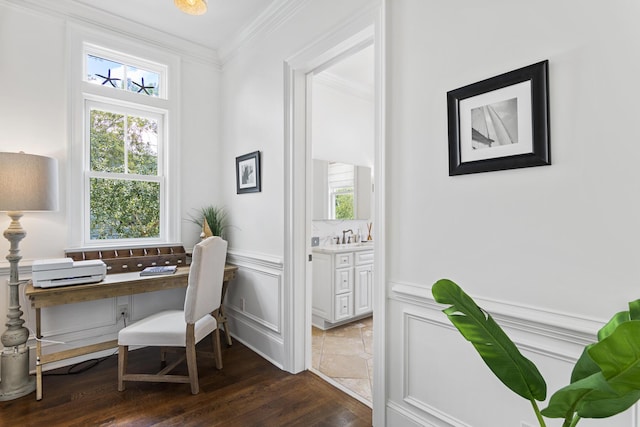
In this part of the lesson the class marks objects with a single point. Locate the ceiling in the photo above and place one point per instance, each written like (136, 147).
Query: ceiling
(357, 68)
(222, 22)
(224, 18)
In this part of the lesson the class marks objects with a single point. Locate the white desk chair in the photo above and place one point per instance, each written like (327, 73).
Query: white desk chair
(182, 328)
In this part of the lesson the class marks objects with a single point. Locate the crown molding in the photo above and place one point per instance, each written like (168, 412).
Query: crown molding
(278, 12)
(74, 12)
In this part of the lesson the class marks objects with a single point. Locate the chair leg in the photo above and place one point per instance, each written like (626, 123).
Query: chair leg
(190, 350)
(217, 349)
(163, 357)
(123, 353)
(192, 366)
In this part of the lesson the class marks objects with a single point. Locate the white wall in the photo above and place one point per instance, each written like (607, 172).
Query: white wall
(342, 125)
(34, 119)
(554, 248)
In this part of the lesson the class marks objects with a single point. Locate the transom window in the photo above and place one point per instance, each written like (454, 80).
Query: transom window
(119, 71)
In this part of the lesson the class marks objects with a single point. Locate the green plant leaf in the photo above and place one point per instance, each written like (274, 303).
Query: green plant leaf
(616, 385)
(216, 219)
(584, 367)
(607, 406)
(564, 402)
(619, 318)
(618, 356)
(611, 325)
(634, 309)
(494, 346)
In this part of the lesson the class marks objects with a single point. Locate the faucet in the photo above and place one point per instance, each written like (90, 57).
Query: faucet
(343, 233)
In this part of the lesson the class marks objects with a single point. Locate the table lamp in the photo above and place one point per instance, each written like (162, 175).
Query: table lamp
(27, 183)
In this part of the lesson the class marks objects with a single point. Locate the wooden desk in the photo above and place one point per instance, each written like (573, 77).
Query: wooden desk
(113, 285)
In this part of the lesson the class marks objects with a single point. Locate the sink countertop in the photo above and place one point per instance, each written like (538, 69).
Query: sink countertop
(344, 247)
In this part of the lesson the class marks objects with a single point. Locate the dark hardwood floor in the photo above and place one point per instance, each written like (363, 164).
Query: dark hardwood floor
(248, 391)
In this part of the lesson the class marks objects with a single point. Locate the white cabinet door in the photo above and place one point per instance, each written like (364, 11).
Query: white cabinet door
(322, 299)
(363, 289)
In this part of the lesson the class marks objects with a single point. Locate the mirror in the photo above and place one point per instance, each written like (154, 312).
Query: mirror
(341, 191)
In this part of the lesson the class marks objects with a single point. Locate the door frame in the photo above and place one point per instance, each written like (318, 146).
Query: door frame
(298, 187)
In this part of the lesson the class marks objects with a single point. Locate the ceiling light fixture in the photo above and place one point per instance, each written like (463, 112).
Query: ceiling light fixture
(192, 7)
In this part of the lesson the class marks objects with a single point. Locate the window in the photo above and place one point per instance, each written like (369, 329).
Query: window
(121, 149)
(102, 71)
(341, 189)
(125, 188)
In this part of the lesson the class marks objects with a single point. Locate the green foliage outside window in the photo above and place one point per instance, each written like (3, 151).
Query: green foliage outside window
(122, 209)
(344, 206)
(124, 206)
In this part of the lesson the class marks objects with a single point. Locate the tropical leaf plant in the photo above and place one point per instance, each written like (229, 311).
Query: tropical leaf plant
(605, 380)
(494, 346)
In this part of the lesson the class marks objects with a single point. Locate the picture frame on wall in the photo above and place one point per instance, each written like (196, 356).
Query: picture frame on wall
(248, 173)
(501, 122)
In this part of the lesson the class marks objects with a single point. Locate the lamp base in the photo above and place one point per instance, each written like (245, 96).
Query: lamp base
(14, 369)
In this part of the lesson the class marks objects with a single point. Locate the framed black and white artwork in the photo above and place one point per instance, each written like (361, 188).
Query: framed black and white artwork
(500, 123)
(248, 173)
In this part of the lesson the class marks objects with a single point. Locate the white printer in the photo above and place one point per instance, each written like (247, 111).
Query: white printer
(47, 273)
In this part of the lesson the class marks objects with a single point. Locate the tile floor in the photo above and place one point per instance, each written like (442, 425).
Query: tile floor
(345, 354)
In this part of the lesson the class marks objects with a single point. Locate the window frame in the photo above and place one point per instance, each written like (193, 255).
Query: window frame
(127, 61)
(118, 108)
(82, 41)
(339, 187)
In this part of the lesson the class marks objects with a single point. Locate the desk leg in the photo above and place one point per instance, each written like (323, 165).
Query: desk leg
(38, 357)
(221, 317)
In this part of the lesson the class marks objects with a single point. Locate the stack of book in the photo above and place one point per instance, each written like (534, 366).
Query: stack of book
(154, 271)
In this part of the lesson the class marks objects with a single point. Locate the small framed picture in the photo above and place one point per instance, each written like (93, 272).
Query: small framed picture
(500, 123)
(248, 173)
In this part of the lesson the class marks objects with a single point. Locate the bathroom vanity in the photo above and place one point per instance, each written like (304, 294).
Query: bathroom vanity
(342, 283)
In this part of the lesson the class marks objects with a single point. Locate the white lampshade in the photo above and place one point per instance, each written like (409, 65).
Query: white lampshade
(192, 7)
(28, 182)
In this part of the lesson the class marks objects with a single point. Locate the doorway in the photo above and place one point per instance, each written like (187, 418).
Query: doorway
(340, 130)
(298, 177)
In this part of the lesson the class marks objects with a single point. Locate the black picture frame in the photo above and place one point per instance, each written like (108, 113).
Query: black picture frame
(248, 173)
(517, 103)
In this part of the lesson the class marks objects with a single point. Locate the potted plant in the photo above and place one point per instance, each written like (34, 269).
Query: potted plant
(212, 220)
(605, 380)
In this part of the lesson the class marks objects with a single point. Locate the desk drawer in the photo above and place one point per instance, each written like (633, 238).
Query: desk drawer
(364, 257)
(344, 280)
(344, 260)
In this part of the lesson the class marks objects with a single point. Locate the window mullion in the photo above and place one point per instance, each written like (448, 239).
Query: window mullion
(126, 143)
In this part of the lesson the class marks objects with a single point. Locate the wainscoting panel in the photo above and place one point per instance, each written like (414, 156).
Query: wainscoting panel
(256, 295)
(254, 304)
(64, 319)
(143, 305)
(436, 378)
